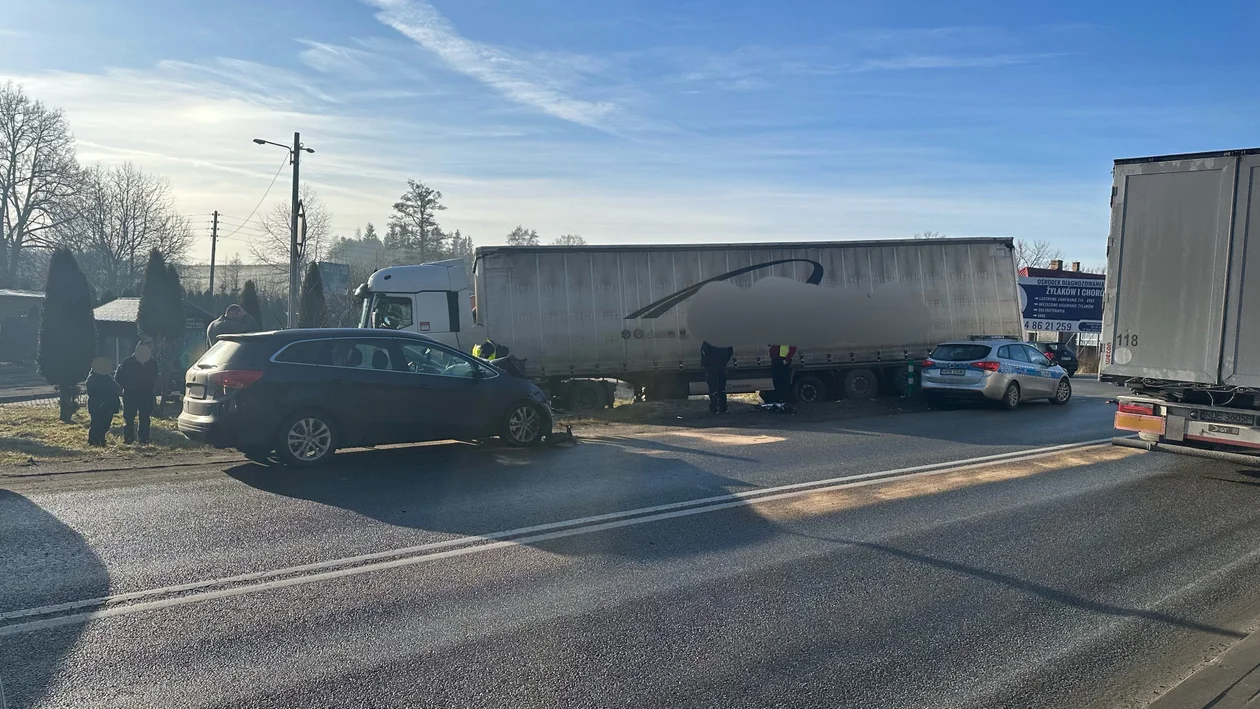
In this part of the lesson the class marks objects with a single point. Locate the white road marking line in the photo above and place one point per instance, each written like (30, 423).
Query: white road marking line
(584, 525)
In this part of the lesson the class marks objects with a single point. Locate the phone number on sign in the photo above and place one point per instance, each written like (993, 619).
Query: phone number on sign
(1050, 325)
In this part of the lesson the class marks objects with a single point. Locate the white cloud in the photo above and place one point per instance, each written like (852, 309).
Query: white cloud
(334, 59)
(532, 82)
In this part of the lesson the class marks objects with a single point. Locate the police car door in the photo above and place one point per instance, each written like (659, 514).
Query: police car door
(1047, 380)
(1024, 371)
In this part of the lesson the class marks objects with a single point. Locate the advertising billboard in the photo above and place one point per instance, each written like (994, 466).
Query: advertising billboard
(1056, 304)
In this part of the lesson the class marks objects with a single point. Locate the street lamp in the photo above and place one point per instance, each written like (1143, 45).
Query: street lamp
(295, 154)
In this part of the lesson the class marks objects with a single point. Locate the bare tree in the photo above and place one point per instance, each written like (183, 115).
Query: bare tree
(929, 235)
(414, 222)
(273, 247)
(521, 236)
(37, 170)
(569, 240)
(231, 282)
(1035, 254)
(117, 218)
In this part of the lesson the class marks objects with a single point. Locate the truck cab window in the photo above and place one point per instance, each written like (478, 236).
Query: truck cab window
(391, 312)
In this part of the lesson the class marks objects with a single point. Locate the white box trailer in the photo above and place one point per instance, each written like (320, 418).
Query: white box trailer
(575, 315)
(1182, 274)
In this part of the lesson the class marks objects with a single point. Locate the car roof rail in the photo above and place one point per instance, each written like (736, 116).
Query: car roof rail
(995, 337)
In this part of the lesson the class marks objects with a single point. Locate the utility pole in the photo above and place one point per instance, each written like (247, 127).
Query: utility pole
(296, 155)
(214, 241)
(295, 274)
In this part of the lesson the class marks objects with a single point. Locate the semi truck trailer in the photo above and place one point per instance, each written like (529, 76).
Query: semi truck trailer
(578, 319)
(1182, 274)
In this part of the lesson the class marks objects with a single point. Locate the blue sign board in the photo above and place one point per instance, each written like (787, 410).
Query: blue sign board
(1061, 304)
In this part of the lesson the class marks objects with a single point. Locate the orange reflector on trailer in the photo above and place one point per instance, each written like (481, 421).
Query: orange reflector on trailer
(1140, 423)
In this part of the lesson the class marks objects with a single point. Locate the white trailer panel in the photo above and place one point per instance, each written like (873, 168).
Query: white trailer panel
(1177, 271)
(566, 310)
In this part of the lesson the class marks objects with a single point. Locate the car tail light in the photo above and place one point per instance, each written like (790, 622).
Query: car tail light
(927, 363)
(235, 378)
(986, 366)
(1146, 409)
(1050, 355)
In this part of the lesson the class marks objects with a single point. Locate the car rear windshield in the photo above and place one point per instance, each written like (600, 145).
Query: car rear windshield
(960, 353)
(219, 354)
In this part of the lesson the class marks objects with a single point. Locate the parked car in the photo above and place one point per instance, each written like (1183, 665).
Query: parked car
(305, 393)
(1060, 354)
(1002, 370)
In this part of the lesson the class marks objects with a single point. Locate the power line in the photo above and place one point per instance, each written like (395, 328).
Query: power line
(264, 197)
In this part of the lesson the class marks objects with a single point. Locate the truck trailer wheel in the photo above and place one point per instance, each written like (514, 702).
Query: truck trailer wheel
(809, 389)
(585, 397)
(861, 384)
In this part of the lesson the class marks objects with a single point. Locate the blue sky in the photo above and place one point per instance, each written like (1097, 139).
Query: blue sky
(653, 121)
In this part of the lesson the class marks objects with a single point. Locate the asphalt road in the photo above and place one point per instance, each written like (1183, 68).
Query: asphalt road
(686, 567)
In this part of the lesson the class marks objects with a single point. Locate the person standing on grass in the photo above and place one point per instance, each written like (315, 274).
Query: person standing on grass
(137, 376)
(102, 393)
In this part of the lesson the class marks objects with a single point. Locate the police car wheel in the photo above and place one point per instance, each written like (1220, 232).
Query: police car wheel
(1010, 400)
(1063, 393)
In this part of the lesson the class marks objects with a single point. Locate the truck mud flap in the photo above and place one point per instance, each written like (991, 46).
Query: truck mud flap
(1239, 458)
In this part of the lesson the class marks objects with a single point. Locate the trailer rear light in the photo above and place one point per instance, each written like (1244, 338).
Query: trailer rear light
(235, 378)
(986, 366)
(1143, 409)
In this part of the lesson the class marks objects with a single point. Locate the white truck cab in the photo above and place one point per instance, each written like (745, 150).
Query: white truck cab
(433, 299)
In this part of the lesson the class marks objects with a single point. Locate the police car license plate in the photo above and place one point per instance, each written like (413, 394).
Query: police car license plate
(953, 372)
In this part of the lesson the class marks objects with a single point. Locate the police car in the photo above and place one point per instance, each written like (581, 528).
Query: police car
(1002, 369)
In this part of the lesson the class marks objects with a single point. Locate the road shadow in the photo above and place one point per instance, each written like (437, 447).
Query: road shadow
(43, 562)
(1031, 588)
(473, 490)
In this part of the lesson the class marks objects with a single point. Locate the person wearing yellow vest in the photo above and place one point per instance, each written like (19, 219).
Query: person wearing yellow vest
(485, 350)
(781, 372)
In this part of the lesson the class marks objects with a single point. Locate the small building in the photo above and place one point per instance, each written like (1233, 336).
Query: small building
(117, 332)
(19, 324)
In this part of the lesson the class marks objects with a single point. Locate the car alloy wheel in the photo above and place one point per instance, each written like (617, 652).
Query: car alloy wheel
(309, 440)
(1063, 393)
(524, 425)
(1011, 399)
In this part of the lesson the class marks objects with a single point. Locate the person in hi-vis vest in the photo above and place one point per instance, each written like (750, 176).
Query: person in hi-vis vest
(781, 371)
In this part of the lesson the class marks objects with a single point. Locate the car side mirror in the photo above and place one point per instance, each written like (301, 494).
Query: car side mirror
(478, 373)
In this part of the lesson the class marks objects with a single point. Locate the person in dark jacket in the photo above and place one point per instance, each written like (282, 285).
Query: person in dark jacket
(234, 321)
(781, 372)
(102, 393)
(714, 359)
(136, 376)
